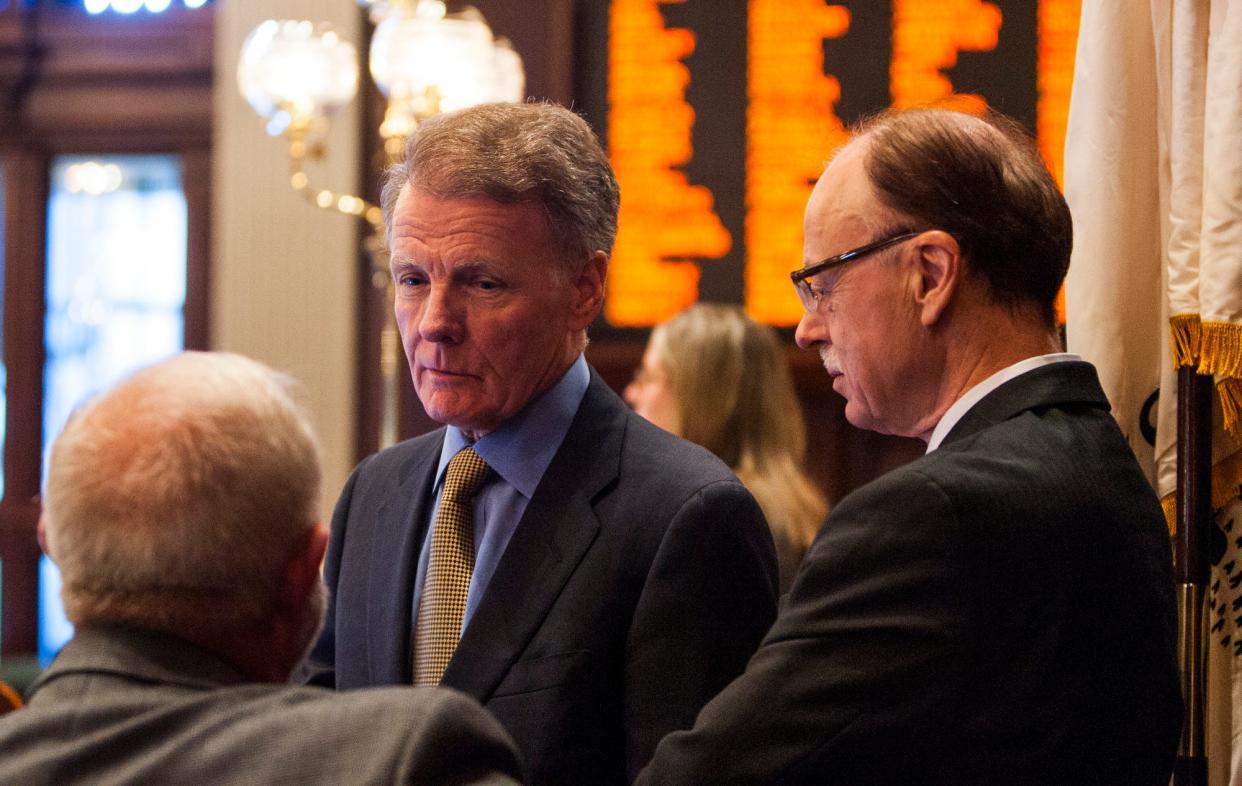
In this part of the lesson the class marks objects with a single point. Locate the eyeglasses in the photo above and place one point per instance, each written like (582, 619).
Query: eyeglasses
(809, 295)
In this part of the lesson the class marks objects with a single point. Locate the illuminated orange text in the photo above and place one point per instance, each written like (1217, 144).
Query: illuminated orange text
(791, 127)
(1058, 40)
(665, 222)
(926, 39)
(1058, 37)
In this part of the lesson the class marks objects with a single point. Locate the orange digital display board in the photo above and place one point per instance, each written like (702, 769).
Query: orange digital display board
(792, 126)
(665, 222)
(1058, 43)
(927, 37)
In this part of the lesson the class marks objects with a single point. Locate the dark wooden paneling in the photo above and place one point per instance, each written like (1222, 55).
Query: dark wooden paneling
(196, 182)
(26, 186)
(20, 553)
(110, 82)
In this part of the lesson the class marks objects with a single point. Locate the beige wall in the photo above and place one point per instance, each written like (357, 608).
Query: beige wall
(283, 271)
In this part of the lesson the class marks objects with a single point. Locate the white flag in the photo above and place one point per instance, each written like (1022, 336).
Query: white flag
(1153, 175)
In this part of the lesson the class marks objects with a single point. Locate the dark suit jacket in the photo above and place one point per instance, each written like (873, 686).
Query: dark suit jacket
(126, 706)
(638, 582)
(999, 611)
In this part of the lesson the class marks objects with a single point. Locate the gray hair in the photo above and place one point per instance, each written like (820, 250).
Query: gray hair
(511, 153)
(177, 498)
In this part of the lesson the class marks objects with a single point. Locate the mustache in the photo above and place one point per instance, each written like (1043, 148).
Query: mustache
(828, 355)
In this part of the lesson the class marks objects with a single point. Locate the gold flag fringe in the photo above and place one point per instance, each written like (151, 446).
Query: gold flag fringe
(1230, 391)
(1220, 349)
(1169, 503)
(1187, 335)
(1226, 486)
(1220, 354)
(1215, 348)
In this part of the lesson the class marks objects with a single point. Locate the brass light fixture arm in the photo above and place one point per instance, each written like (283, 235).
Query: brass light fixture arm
(300, 150)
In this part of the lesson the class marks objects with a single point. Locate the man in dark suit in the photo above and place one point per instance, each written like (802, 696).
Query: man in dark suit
(181, 507)
(999, 611)
(596, 580)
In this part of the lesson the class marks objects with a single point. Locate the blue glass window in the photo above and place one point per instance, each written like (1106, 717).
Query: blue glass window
(116, 274)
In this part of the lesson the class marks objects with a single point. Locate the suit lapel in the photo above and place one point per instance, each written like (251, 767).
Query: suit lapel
(400, 526)
(1062, 383)
(555, 533)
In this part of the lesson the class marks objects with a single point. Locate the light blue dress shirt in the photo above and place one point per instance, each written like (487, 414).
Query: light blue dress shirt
(518, 452)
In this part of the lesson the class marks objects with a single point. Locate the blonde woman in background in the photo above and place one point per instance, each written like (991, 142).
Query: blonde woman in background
(715, 377)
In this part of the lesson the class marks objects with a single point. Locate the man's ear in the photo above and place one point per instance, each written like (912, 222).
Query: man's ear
(938, 269)
(588, 289)
(302, 570)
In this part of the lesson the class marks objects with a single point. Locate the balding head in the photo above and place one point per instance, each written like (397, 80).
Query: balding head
(175, 500)
(983, 182)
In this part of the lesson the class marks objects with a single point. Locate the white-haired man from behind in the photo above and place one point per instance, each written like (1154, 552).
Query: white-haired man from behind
(181, 507)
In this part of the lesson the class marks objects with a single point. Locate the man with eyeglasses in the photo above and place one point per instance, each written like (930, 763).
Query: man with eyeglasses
(999, 611)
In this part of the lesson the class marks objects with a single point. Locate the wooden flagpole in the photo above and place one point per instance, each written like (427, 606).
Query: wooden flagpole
(1190, 564)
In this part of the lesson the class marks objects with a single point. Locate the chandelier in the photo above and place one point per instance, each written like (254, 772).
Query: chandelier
(296, 75)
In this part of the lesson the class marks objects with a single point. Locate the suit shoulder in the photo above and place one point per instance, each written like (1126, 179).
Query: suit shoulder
(669, 459)
(667, 484)
(389, 466)
(393, 458)
(1037, 475)
(378, 717)
(379, 707)
(261, 734)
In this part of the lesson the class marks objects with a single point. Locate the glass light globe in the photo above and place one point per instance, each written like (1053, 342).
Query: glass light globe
(381, 9)
(433, 64)
(294, 74)
(509, 77)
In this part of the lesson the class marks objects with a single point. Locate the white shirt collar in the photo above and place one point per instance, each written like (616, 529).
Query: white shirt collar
(973, 396)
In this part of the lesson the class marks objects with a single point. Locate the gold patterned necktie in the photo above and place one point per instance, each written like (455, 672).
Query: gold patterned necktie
(443, 603)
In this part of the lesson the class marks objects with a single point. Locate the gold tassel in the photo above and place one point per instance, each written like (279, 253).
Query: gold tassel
(1230, 391)
(1169, 503)
(1220, 351)
(1226, 486)
(1216, 348)
(1186, 335)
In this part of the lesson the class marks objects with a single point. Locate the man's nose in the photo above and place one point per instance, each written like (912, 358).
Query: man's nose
(440, 320)
(810, 330)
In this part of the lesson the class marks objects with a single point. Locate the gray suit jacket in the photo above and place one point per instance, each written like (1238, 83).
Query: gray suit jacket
(641, 578)
(127, 706)
(999, 611)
